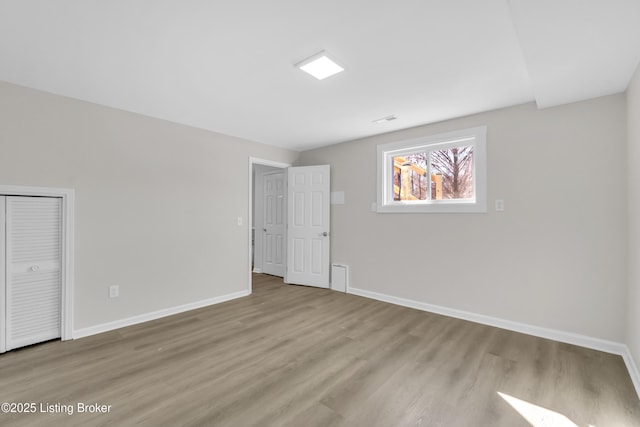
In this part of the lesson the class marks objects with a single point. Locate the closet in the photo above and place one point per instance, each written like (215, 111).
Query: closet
(30, 270)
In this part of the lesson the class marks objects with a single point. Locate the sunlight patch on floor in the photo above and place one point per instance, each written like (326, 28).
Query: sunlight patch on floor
(536, 415)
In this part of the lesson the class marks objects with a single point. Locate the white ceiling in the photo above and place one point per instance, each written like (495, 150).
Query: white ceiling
(227, 66)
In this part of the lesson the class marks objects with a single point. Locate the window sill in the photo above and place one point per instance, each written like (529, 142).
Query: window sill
(437, 207)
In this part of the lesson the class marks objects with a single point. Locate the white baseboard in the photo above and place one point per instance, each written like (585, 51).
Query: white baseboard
(109, 326)
(633, 369)
(257, 270)
(552, 334)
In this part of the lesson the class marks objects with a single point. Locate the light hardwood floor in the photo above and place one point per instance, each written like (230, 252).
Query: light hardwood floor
(300, 356)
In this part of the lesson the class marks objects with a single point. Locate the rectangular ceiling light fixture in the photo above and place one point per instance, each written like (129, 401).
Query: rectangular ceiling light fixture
(320, 66)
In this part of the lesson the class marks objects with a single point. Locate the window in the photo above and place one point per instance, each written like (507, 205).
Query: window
(440, 173)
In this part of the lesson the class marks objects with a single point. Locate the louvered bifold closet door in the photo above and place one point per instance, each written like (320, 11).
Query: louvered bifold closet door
(33, 267)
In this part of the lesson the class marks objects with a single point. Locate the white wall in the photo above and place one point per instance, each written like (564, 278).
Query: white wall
(633, 126)
(156, 202)
(555, 258)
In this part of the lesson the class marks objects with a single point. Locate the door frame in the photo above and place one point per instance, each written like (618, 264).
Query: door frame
(252, 162)
(67, 267)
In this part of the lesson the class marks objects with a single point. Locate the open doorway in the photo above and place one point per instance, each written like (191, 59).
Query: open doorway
(295, 228)
(267, 218)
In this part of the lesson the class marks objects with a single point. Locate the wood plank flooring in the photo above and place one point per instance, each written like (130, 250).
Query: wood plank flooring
(300, 356)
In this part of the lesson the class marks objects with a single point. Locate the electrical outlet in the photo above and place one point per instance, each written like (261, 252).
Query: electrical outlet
(114, 291)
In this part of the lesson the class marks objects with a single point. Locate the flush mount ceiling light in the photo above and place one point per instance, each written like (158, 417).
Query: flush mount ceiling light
(320, 65)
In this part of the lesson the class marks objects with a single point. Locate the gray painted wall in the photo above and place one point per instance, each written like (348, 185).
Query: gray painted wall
(633, 125)
(156, 202)
(156, 210)
(555, 258)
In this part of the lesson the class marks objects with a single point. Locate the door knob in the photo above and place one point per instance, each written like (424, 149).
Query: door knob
(324, 234)
(35, 268)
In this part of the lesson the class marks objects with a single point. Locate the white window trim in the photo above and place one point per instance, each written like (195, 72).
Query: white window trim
(478, 136)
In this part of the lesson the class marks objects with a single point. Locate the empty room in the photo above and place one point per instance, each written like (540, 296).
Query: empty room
(346, 213)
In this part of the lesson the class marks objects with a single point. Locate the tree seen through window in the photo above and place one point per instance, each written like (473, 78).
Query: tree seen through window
(451, 175)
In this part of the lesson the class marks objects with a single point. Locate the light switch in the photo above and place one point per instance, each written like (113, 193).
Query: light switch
(239, 221)
(114, 291)
(499, 205)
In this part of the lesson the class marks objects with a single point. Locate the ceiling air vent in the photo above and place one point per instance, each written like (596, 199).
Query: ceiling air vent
(385, 119)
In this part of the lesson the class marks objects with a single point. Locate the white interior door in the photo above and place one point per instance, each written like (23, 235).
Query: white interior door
(274, 210)
(33, 237)
(308, 230)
